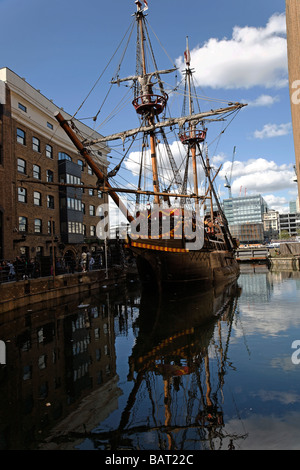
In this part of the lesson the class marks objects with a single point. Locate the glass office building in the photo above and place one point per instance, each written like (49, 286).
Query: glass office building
(245, 217)
(248, 209)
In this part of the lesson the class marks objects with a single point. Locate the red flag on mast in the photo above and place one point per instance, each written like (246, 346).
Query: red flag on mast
(140, 5)
(187, 55)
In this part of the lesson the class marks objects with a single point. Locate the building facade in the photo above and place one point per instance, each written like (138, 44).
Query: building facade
(271, 224)
(293, 39)
(289, 224)
(248, 233)
(37, 213)
(245, 217)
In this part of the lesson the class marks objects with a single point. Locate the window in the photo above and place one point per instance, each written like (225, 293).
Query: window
(23, 224)
(42, 362)
(81, 164)
(92, 210)
(27, 372)
(91, 192)
(22, 195)
(71, 179)
(64, 156)
(37, 226)
(75, 227)
(37, 172)
(90, 171)
(50, 202)
(49, 175)
(74, 204)
(37, 198)
(49, 125)
(92, 231)
(36, 145)
(49, 227)
(21, 137)
(83, 207)
(21, 166)
(39, 251)
(99, 193)
(21, 106)
(49, 151)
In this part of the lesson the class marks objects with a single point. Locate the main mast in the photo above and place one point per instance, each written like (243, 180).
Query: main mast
(147, 104)
(188, 72)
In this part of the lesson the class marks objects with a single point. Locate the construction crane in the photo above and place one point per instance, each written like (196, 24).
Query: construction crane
(228, 181)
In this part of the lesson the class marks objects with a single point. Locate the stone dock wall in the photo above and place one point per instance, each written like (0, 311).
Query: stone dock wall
(287, 257)
(14, 295)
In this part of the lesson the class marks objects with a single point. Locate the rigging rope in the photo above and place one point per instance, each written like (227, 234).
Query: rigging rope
(117, 167)
(95, 84)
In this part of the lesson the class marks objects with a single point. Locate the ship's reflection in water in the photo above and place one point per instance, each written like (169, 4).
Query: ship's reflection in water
(62, 387)
(178, 366)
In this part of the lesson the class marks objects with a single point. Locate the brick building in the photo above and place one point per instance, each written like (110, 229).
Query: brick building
(293, 39)
(36, 213)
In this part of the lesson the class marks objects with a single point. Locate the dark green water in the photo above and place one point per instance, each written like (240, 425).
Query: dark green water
(131, 370)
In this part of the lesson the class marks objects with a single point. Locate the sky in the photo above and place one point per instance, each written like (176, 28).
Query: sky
(238, 53)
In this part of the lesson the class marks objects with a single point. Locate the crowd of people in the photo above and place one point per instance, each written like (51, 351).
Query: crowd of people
(22, 269)
(18, 269)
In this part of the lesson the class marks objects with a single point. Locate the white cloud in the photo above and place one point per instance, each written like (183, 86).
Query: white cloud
(251, 57)
(273, 130)
(216, 160)
(259, 176)
(278, 203)
(177, 150)
(263, 100)
(272, 432)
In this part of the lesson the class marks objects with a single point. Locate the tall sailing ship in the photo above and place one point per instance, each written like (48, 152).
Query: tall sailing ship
(177, 235)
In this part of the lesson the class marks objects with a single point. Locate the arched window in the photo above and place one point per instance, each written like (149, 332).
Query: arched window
(64, 156)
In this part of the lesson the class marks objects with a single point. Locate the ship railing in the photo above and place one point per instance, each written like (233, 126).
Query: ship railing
(144, 103)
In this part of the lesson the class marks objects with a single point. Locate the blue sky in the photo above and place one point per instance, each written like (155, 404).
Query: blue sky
(238, 51)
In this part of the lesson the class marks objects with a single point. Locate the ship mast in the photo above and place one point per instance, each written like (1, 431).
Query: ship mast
(146, 103)
(188, 72)
(191, 137)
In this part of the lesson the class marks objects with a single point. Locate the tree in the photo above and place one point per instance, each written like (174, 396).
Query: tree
(284, 235)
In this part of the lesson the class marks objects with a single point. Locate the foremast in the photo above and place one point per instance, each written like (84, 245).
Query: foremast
(148, 105)
(191, 139)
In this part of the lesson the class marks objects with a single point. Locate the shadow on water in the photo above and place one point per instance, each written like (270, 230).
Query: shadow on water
(60, 387)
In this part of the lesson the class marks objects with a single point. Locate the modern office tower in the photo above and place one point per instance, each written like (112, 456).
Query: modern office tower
(292, 207)
(245, 217)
